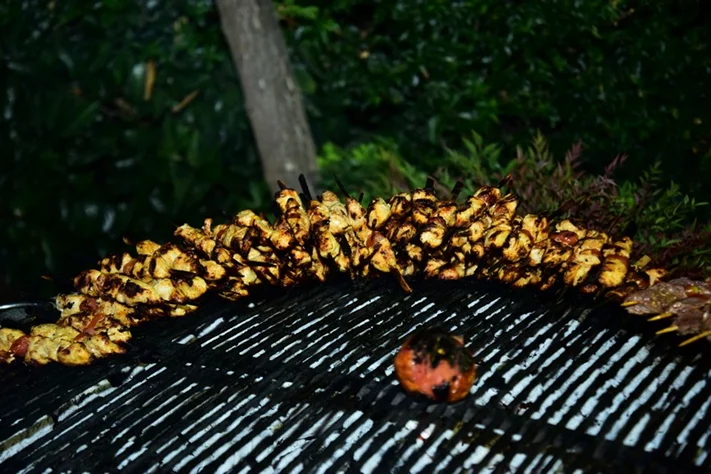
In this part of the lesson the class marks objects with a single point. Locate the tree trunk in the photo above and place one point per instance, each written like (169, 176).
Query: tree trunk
(272, 98)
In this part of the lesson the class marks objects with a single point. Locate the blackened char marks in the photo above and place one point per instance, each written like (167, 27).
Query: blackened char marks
(441, 392)
(131, 289)
(88, 305)
(436, 345)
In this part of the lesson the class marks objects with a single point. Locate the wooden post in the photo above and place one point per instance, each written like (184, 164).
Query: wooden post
(272, 98)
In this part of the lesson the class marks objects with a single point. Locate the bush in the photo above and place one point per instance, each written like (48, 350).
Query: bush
(621, 76)
(121, 119)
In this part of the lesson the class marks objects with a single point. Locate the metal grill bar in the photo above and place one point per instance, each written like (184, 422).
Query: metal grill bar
(302, 362)
(304, 382)
(145, 395)
(516, 379)
(377, 355)
(436, 414)
(347, 433)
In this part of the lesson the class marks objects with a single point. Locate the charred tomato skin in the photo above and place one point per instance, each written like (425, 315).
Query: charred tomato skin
(435, 364)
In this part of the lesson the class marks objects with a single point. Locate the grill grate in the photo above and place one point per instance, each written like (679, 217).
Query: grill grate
(303, 382)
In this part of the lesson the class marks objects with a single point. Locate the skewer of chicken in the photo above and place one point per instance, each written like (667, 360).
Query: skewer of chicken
(409, 233)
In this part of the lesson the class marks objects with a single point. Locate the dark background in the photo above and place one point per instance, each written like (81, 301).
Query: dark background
(393, 90)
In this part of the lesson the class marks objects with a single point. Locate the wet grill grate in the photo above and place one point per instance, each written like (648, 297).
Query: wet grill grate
(304, 382)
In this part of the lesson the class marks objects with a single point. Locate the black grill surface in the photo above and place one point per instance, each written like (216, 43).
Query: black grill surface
(303, 382)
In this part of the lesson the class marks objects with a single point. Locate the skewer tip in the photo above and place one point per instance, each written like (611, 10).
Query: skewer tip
(401, 280)
(506, 181)
(642, 262)
(695, 338)
(661, 316)
(341, 186)
(304, 186)
(667, 330)
(459, 185)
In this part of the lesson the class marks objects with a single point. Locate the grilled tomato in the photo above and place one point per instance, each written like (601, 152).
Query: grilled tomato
(435, 364)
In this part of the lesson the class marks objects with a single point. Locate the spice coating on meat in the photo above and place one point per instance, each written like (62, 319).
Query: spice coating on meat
(686, 302)
(435, 364)
(410, 233)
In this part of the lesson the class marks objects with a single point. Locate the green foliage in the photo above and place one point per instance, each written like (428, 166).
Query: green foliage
(88, 155)
(367, 168)
(626, 77)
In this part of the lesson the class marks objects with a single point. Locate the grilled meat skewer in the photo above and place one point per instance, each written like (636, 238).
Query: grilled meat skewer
(408, 234)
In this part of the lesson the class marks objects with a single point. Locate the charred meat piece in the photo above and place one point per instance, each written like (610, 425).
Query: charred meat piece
(616, 263)
(52, 343)
(662, 296)
(378, 213)
(433, 232)
(13, 343)
(586, 256)
(131, 292)
(482, 199)
(435, 364)
(655, 299)
(197, 238)
(326, 236)
(693, 317)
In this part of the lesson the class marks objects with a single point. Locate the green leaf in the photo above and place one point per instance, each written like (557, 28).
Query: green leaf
(84, 118)
(305, 81)
(193, 152)
(432, 125)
